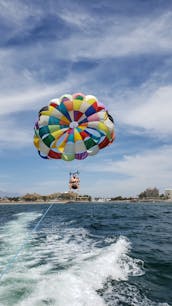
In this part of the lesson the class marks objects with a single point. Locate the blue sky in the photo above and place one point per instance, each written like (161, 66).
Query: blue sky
(119, 51)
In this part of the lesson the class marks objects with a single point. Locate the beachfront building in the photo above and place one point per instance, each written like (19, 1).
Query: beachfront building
(83, 198)
(168, 193)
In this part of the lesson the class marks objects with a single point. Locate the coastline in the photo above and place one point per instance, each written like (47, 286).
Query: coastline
(94, 202)
(34, 203)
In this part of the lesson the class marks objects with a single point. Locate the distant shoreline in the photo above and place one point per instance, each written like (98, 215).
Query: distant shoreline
(34, 203)
(95, 202)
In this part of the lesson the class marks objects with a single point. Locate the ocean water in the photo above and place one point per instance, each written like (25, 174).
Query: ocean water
(86, 255)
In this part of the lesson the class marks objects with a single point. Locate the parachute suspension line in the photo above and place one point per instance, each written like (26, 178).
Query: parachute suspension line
(16, 255)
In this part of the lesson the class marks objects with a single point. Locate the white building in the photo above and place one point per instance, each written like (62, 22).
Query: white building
(168, 193)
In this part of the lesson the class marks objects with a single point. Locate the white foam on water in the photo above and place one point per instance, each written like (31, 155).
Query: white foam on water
(127, 294)
(77, 284)
(13, 234)
(67, 268)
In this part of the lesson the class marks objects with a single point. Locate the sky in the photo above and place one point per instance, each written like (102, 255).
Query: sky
(119, 51)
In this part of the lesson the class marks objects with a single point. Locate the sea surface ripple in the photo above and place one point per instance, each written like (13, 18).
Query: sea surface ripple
(86, 255)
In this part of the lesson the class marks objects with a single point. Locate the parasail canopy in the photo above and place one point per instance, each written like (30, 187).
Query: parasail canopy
(73, 127)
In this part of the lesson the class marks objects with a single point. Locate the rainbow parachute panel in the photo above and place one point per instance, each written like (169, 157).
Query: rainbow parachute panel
(73, 127)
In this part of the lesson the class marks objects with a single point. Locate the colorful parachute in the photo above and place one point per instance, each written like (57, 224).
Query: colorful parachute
(73, 127)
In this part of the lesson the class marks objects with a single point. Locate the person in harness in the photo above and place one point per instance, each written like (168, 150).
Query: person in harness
(74, 181)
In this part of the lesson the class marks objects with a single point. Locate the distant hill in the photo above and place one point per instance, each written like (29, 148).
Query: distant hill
(6, 194)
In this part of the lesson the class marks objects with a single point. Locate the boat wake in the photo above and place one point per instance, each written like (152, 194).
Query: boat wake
(65, 265)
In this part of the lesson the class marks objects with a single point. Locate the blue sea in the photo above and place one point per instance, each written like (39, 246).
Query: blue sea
(86, 254)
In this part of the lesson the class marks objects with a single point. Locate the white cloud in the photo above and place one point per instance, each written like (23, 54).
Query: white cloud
(147, 169)
(14, 135)
(14, 12)
(30, 98)
(25, 101)
(155, 114)
(20, 89)
(128, 176)
(123, 38)
(101, 38)
(148, 108)
(150, 163)
(46, 187)
(19, 17)
(34, 97)
(79, 17)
